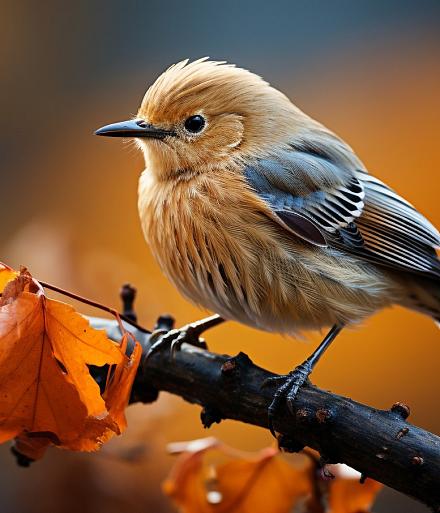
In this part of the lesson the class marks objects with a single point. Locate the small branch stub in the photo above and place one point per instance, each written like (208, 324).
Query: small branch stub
(401, 409)
(128, 296)
(164, 322)
(229, 366)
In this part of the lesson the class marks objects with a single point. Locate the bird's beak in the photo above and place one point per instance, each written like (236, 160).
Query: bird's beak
(134, 128)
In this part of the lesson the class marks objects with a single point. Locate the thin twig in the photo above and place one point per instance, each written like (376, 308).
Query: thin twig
(95, 304)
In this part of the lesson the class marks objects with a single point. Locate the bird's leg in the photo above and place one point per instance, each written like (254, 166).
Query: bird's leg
(189, 334)
(292, 382)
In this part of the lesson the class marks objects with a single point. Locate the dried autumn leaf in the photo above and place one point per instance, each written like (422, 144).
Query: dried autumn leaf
(76, 344)
(249, 483)
(117, 393)
(47, 395)
(116, 396)
(243, 485)
(348, 495)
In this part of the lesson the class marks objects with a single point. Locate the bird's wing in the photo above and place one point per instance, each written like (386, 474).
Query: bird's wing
(328, 204)
(394, 232)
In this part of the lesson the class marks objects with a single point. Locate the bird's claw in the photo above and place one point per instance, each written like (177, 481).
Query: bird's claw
(268, 382)
(174, 339)
(287, 391)
(189, 335)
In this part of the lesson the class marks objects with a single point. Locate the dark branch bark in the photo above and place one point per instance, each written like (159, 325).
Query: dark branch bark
(380, 444)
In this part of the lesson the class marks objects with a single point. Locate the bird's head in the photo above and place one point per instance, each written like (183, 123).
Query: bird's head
(203, 114)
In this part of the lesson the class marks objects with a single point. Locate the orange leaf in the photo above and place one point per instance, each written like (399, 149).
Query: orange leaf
(348, 495)
(116, 395)
(266, 482)
(46, 389)
(269, 483)
(76, 344)
(243, 485)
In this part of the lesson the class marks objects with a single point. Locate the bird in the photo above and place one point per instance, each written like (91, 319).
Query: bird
(261, 214)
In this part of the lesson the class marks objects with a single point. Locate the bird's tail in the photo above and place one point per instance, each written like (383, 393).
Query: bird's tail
(424, 296)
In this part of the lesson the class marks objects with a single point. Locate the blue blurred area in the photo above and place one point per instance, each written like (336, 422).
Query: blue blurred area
(59, 52)
(106, 37)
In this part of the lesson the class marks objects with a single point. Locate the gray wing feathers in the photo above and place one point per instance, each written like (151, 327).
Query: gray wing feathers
(389, 209)
(321, 201)
(298, 182)
(394, 232)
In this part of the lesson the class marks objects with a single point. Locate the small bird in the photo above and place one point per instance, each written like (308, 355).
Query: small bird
(261, 214)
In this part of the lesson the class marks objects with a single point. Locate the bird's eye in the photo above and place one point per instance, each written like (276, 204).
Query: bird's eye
(195, 124)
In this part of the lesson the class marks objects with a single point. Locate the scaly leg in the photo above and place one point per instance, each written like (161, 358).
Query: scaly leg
(292, 382)
(189, 334)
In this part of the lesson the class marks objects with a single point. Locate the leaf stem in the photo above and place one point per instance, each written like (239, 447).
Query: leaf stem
(95, 304)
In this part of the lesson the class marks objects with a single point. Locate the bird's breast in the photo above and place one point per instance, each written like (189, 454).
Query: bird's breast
(213, 240)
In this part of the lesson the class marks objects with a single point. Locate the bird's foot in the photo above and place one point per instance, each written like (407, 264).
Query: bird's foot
(173, 339)
(287, 390)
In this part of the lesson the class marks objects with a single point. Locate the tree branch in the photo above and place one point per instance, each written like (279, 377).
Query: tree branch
(380, 444)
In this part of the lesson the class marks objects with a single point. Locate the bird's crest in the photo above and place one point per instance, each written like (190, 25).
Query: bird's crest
(189, 86)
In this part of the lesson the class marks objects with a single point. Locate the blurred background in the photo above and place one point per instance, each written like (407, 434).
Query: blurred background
(367, 69)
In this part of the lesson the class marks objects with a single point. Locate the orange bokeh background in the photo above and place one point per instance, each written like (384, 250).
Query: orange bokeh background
(68, 212)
